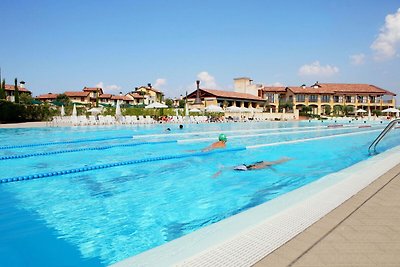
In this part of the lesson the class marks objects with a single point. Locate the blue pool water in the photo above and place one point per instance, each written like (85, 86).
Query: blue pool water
(101, 216)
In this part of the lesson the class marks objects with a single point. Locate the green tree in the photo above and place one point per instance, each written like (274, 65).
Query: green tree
(337, 110)
(377, 112)
(327, 110)
(169, 102)
(16, 92)
(306, 109)
(347, 110)
(3, 90)
(64, 99)
(26, 99)
(182, 103)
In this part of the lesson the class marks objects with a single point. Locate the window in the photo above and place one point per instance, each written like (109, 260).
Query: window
(325, 98)
(372, 99)
(349, 99)
(313, 98)
(269, 97)
(337, 99)
(300, 98)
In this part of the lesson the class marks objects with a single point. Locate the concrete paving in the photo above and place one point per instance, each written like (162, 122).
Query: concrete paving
(363, 231)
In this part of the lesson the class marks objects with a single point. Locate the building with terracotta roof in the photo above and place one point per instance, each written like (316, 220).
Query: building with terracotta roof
(47, 97)
(150, 94)
(319, 96)
(10, 89)
(78, 97)
(123, 99)
(105, 99)
(223, 99)
(136, 98)
(94, 93)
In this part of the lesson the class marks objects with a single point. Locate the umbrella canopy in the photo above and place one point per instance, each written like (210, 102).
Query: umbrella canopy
(62, 111)
(94, 110)
(156, 105)
(390, 110)
(74, 113)
(214, 108)
(118, 110)
(360, 111)
(233, 109)
(195, 110)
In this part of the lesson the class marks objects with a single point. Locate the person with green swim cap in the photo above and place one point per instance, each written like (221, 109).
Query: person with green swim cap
(221, 143)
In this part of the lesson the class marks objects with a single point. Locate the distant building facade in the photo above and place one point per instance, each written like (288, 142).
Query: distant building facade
(319, 96)
(150, 94)
(10, 90)
(224, 99)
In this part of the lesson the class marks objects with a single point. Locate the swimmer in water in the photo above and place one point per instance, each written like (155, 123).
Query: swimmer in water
(255, 166)
(221, 143)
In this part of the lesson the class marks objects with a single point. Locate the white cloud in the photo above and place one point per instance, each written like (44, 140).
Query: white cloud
(357, 59)
(113, 88)
(100, 85)
(160, 82)
(315, 68)
(206, 80)
(389, 38)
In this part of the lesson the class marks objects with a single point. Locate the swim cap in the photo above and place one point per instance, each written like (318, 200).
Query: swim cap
(222, 137)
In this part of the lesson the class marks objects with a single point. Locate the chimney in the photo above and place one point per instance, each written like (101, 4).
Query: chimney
(303, 86)
(197, 101)
(21, 84)
(149, 85)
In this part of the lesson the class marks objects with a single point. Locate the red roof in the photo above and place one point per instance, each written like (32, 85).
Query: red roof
(230, 94)
(274, 89)
(150, 88)
(105, 96)
(93, 89)
(343, 88)
(120, 97)
(47, 96)
(136, 95)
(10, 87)
(76, 94)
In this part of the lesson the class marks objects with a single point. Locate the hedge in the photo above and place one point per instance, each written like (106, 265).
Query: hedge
(12, 112)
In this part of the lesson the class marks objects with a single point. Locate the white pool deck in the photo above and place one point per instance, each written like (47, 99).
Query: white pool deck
(260, 236)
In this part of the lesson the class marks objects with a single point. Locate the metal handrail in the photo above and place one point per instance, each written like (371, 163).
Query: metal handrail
(381, 135)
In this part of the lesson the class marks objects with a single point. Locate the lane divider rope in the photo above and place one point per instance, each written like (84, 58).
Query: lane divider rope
(228, 131)
(160, 142)
(167, 157)
(82, 149)
(270, 134)
(116, 164)
(67, 142)
(310, 139)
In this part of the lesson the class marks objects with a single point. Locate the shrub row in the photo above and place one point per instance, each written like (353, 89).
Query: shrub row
(12, 112)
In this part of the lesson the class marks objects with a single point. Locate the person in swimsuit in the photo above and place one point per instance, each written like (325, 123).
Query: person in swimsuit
(255, 166)
(260, 165)
(220, 144)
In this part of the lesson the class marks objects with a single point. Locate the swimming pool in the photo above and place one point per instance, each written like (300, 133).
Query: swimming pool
(166, 189)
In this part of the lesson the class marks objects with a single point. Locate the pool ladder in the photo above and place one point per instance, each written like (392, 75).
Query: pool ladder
(372, 147)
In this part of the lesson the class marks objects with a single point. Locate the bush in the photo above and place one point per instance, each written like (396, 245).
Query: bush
(12, 112)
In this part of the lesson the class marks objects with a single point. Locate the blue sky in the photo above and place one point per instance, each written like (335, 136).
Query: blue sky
(57, 46)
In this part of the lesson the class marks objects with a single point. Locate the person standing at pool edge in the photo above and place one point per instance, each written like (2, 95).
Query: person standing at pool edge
(221, 143)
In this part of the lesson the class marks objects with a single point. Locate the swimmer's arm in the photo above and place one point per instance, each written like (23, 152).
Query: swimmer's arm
(218, 173)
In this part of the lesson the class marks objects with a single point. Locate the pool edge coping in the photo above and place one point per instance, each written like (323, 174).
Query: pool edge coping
(255, 233)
